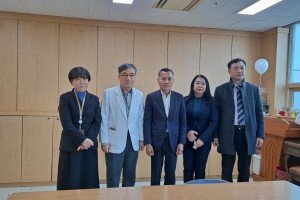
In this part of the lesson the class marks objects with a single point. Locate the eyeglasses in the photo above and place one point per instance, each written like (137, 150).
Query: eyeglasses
(127, 75)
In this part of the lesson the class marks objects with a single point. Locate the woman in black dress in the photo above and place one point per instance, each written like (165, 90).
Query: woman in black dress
(80, 117)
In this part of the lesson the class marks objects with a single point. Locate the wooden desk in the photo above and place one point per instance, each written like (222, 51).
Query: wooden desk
(277, 131)
(266, 190)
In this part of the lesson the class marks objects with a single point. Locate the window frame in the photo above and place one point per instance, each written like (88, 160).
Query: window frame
(291, 87)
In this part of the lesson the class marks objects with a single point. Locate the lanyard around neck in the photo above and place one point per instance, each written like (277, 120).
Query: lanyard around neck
(80, 108)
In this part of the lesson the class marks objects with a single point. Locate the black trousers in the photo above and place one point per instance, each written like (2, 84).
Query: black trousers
(244, 160)
(165, 156)
(194, 161)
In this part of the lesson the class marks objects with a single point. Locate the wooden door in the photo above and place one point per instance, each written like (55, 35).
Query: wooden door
(57, 128)
(10, 149)
(37, 149)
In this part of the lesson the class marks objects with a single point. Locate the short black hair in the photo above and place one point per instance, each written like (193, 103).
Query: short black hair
(79, 72)
(126, 66)
(236, 60)
(165, 70)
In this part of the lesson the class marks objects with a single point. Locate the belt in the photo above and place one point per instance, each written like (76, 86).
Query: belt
(239, 127)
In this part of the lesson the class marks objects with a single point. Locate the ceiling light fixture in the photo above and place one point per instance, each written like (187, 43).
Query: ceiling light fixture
(258, 6)
(123, 1)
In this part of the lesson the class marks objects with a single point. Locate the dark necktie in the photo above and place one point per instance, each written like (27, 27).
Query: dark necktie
(239, 104)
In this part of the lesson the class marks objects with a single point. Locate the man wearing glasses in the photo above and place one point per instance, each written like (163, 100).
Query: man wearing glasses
(122, 128)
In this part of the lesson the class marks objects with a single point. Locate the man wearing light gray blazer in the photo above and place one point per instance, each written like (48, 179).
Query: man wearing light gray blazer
(241, 121)
(122, 128)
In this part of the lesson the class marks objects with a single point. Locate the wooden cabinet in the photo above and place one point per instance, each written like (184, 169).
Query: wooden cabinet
(33, 157)
(101, 164)
(10, 149)
(214, 163)
(57, 128)
(213, 166)
(37, 149)
(277, 131)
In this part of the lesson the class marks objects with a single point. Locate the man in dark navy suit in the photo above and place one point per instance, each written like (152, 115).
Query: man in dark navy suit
(164, 128)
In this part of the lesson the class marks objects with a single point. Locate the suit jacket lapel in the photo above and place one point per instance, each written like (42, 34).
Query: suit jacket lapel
(120, 100)
(230, 93)
(172, 104)
(87, 98)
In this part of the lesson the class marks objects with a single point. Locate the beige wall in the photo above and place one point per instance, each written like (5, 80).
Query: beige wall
(37, 52)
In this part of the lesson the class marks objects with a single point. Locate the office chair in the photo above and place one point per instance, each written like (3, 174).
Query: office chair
(206, 181)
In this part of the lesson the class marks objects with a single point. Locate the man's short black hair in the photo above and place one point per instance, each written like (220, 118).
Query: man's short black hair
(236, 60)
(165, 70)
(126, 66)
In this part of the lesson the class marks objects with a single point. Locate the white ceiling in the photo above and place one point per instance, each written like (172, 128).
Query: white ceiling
(208, 14)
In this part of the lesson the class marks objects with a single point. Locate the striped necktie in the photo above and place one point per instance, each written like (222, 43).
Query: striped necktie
(239, 105)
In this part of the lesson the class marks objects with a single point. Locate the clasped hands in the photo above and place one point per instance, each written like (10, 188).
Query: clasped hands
(192, 137)
(86, 144)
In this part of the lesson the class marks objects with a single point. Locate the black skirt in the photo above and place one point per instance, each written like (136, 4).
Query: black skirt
(78, 170)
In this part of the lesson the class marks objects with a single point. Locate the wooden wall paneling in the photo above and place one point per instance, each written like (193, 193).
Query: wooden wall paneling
(115, 47)
(37, 149)
(213, 165)
(249, 49)
(101, 165)
(183, 58)
(8, 57)
(77, 47)
(10, 149)
(215, 54)
(270, 53)
(37, 66)
(57, 129)
(150, 55)
(275, 50)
